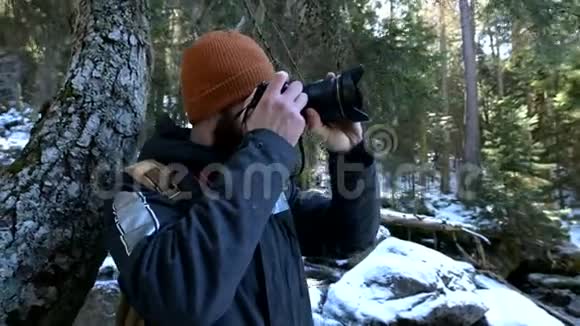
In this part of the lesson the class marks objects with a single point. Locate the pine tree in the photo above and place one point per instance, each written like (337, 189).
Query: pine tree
(472, 132)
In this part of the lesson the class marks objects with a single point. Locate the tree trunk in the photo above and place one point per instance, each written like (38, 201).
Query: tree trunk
(471, 154)
(495, 45)
(444, 160)
(423, 152)
(499, 67)
(51, 197)
(516, 37)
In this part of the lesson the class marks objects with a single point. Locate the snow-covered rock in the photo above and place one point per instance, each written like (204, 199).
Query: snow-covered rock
(404, 282)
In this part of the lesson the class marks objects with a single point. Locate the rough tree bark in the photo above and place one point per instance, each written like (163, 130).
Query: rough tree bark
(472, 137)
(51, 197)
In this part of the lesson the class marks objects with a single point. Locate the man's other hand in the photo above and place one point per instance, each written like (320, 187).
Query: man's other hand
(337, 137)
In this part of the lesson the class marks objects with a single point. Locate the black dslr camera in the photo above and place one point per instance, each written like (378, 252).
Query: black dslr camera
(336, 99)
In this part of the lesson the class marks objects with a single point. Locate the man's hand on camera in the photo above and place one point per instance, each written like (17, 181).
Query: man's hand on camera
(337, 137)
(280, 112)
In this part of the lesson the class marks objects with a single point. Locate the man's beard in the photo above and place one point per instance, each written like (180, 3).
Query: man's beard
(227, 134)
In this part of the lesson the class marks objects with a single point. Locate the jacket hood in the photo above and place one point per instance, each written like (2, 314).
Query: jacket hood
(171, 144)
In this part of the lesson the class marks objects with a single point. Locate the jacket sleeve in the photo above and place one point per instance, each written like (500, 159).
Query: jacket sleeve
(184, 268)
(348, 221)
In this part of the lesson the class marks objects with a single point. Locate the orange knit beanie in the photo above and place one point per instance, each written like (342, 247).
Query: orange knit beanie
(221, 69)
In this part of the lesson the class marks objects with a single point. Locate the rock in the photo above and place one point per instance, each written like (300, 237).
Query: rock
(555, 281)
(453, 308)
(100, 305)
(574, 308)
(566, 259)
(556, 297)
(401, 282)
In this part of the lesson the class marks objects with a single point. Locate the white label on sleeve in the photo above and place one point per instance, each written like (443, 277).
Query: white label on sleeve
(281, 204)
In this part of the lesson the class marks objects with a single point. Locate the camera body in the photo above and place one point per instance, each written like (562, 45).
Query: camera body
(336, 99)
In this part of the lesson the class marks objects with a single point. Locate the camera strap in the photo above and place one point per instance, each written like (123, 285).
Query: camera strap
(249, 109)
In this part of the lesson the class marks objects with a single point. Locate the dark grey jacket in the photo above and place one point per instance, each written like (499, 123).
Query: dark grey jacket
(235, 258)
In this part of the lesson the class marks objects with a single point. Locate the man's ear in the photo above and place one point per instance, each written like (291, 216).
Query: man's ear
(234, 111)
(249, 98)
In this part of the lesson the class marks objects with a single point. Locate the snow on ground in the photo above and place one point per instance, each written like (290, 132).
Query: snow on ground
(15, 126)
(449, 208)
(316, 297)
(441, 206)
(509, 308)
(109, 262)
(572, 219)
(575, 234)
(16, 139)
(572, 224)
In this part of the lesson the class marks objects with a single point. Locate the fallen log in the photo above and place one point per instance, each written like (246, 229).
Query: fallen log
(426, 223)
